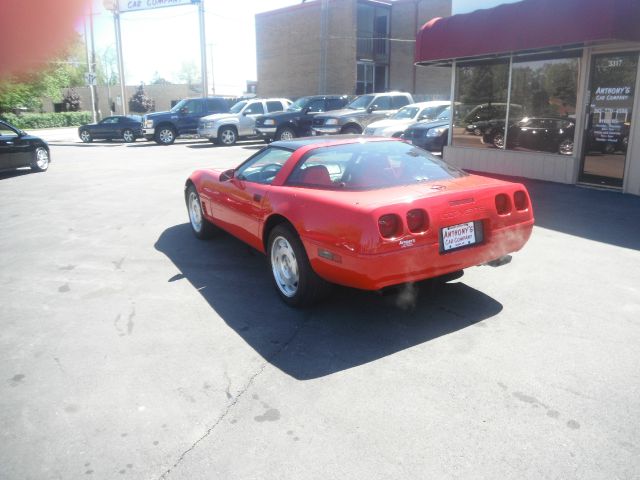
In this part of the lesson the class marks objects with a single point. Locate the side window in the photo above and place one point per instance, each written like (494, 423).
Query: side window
(274, 106)
(215, 105)
(316, 106)
(322, 168)
(382, 103)
(399, 101)
(193, 107)
(5, 131)
(264, 167)
(255, 108)
(335, 103)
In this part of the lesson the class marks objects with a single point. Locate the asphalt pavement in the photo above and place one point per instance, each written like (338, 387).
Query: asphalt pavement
(130, 349)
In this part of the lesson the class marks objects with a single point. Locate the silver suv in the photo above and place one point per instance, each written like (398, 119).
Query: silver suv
(362, 111)
(240, 121)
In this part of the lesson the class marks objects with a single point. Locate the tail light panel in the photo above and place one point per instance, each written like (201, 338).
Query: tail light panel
(390, 225)
(417, 220)
(521, 201)
(503, 204)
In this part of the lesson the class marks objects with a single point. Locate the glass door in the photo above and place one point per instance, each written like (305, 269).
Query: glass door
(364, 79)
(612, 85)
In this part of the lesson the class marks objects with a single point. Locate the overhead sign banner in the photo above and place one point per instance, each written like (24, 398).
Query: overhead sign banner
(133, 5)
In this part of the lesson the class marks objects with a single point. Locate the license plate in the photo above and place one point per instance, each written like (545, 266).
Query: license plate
(461, 235)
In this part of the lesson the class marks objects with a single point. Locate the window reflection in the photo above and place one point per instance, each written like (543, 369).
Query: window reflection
(541, 111)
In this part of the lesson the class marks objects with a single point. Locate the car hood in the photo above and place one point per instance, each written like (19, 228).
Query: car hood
(220, 116)
(153, 115)
(345, 112)
(426, 125)
(390, 122)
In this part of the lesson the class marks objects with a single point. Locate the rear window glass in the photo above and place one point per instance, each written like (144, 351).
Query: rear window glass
(369, 165)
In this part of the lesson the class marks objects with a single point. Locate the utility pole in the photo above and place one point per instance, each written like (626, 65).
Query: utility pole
(203, 51)
(213, 84)
(94, 97)
(116, 20)
(90, 68)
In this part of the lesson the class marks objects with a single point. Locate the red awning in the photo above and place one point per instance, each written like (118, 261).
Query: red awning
(529, 25)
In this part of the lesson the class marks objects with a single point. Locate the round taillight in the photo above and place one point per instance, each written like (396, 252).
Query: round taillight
(417, 220)
(520, 200)
(389, 225)
(503, 205)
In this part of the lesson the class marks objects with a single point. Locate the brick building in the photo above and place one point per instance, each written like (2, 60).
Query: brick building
(347, 46)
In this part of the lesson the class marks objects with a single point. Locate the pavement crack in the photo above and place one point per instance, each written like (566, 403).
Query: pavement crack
(237, 398)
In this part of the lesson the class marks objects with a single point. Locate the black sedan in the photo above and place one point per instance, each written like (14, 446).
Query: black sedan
(19, 149)
(554, 135)
(127, 128)
(431, 135)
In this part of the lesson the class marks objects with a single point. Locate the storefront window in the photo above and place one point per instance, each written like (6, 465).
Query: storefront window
(541, 111)
(481, 100)
(543, 106)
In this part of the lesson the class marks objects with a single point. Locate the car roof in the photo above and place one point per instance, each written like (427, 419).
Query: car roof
(328, 141)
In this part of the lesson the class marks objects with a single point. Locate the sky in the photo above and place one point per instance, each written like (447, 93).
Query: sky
(160, 41)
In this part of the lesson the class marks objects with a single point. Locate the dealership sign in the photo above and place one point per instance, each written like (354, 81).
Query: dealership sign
(132, 5)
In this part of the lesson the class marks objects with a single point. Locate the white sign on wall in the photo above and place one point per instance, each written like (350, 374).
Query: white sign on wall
(132, 5)
(90, 78)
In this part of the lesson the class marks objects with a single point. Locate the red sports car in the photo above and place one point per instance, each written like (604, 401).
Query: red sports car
(361, 212)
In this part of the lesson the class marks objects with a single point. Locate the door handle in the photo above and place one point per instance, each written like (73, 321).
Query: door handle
(257, 197)
(9, 143)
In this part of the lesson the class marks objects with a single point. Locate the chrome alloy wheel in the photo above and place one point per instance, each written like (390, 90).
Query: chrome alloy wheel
(85, 136)
(498, 140)
(287, 135)
(195, 211)
(566, 147)
(42, 158)
(228, 136)
(166, 135)
(128, 136)
(284, 266)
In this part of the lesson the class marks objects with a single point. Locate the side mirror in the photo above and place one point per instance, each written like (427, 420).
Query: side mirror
(305, 110)
(184, 110)
(227, 175)
(372, 108)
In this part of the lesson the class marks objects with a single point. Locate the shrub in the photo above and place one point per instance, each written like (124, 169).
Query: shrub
(72, 101)
(140, 102)
(47, 120)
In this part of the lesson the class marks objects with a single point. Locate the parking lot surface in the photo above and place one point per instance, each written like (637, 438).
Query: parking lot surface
(128, 348)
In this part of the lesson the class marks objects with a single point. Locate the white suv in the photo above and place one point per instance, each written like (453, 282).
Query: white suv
(240, 121)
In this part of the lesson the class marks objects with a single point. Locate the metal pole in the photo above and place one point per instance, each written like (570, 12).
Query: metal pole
(116, 20)
(324, 27)
(506, 120)
(203, 51)
(86, 44)
(453, 105)
(213, 83)
(94, 87)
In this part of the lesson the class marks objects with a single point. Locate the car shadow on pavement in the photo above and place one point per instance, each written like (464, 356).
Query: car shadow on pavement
(600, 215)
(15, 173)
(80, 144)
(348, 329)
(253, 145)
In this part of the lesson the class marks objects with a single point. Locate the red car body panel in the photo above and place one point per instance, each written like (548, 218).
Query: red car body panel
(339, 229)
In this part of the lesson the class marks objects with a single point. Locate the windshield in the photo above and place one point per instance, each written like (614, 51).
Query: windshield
(405, 113)
(298, 105)
(238, 106)
(369, 166)
(178, 106)
(361, 102)
(445, 114)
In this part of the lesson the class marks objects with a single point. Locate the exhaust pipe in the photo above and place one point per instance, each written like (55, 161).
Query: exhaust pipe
(498, 262)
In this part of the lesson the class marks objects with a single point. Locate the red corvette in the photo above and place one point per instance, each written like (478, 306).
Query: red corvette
(364, 213)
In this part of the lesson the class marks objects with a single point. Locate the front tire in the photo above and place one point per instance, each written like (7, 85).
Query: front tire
(128, 136)
(566, 147)
(352, 130)
(200, 226)
(498, 140)
(227, 136)
(165, 135)
(285, 134)
(40, 162)
(296, 282)
(85, 136)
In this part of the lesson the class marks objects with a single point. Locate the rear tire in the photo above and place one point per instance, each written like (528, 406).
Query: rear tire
(295, 281)
(200, 226)
(128, 136)
(352, 130)
(285, 134)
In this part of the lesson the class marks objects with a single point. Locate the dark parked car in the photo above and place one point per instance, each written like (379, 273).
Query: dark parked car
(19, 149)
(296, 120)
(127, 128)
(554, 135)
(182, 119)
(431, 135)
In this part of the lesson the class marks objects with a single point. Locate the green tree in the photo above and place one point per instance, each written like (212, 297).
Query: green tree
(26, 91)
(140, 102)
